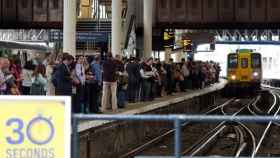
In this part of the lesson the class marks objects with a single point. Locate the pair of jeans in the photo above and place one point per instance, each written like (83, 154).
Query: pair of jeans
(132, 90)
(109, 93)
(2, 92)
(25, 90)
(170, 86)
(121, 96)
(93, 97)
(79, 99)
(146, 90)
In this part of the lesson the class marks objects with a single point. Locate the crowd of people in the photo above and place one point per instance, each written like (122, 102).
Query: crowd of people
(98, 85)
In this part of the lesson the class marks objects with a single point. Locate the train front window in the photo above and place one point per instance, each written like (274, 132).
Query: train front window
(244, 63)
(233, 61)
(256, 60)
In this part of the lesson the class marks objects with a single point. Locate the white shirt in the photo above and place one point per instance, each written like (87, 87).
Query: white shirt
(26, 75)
(80, 73)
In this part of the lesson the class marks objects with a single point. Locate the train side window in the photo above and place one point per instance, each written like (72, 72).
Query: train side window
(244, 63)
(256, 60)
(233, 61)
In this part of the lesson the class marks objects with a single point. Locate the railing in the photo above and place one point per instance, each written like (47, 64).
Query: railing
(195, 157)
(271, 83)
(177, 120)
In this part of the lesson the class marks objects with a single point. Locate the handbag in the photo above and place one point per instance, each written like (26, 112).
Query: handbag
(14, 90)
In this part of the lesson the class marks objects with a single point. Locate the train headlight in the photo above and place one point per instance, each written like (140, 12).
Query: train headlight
(233, 77)
(255, 74)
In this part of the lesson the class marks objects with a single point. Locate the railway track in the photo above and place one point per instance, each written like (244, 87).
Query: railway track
(244, 140)
(170, 133)
(263, 148)
(225, 138)
(162, 145)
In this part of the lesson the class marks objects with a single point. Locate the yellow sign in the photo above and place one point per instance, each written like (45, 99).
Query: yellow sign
(167, 36)
(35, 127)
(187, 42)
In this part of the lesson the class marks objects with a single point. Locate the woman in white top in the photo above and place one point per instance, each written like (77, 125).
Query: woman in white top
(26, 76)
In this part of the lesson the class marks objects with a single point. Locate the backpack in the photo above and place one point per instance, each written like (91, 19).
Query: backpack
(37, 88)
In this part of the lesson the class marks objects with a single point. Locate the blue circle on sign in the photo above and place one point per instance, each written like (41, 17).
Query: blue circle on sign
(32, 123)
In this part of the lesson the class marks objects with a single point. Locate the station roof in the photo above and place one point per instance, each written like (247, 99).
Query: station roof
(24, 45)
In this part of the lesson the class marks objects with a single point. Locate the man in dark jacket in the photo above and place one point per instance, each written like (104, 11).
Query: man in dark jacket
(62, 77)
(110, 70)
(169, 77)
(133, 71)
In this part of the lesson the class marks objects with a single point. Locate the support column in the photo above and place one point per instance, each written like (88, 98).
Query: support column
(179, 56)
(116, 27)
(168, 52)
(148, 27)
(69, 26)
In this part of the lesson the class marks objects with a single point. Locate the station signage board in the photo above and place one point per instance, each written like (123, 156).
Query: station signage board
(35, 127)
(199, 37)
(82, 36)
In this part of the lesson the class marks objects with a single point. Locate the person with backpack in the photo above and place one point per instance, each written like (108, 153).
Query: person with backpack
(39, 81)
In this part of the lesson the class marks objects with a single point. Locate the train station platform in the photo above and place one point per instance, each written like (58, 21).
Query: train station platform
(158, 103)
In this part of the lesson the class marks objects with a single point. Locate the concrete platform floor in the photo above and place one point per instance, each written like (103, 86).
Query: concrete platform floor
(143, 107)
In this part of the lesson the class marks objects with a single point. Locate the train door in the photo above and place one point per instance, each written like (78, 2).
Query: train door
(245, 70)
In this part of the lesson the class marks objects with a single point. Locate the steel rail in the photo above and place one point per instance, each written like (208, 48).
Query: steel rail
(197, 143)
(251, 134)
(274, 103)
(255, 105)
(241, 148)
(270, 110)
(208, 141)
(241, 139)
(220, 106)
(273, 106)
